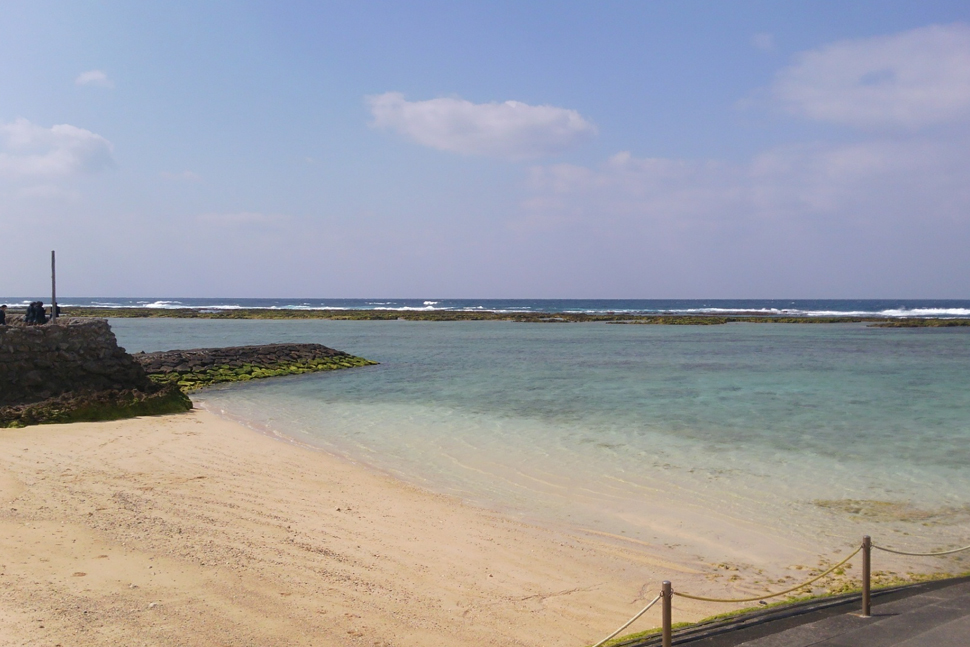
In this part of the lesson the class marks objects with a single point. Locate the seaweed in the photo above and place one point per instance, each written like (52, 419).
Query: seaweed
(96, 406)
(190, 381)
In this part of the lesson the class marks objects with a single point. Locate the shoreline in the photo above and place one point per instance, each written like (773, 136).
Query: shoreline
(512, 514)
(190, 529)
(739, 554)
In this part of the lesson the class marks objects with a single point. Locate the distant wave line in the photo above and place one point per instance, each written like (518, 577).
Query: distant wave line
(524, 306)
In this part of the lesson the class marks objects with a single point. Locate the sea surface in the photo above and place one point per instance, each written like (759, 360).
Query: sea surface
(698, 436)
(794, 307)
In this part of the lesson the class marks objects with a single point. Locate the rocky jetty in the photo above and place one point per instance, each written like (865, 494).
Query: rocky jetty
(74, 370)
(201, 367)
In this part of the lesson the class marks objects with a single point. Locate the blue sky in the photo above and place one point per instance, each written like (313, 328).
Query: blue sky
(502, 149)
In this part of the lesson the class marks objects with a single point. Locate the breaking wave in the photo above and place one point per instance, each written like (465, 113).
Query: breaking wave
(742, 307)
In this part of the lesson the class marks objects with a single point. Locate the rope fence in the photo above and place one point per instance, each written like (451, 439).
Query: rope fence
(630, 621)
(667, 592)
(901, 552)
(768, 596)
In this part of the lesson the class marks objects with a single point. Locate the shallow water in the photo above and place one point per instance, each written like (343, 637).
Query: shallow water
(660, 433)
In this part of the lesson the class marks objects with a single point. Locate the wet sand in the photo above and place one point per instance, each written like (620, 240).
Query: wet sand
(193, 530)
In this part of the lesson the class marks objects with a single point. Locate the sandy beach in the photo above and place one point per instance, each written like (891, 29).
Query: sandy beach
(192, 530)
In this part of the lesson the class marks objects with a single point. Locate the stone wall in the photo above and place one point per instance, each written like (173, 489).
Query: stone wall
(71, 356)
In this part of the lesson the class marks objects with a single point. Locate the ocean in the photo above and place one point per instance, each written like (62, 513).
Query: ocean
(696, 437)
(794, 307)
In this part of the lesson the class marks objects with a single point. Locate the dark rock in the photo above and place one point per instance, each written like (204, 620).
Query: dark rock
(45, 370)
(270, 356)
(109, 404)
(200, 367)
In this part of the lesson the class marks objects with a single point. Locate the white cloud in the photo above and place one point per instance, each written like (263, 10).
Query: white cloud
(912, 79)
(511, 129)
(94, 77)
(872, 182)
(763, 41)
(29, 150)
(887, 218)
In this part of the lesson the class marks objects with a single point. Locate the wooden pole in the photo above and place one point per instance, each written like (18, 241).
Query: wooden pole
(667, 615)
(866, 576)
(53, 289)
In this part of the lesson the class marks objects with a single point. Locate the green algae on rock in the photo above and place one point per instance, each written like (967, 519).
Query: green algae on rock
(198, 368)
(923, 323)
(73, 370)
(96, 406)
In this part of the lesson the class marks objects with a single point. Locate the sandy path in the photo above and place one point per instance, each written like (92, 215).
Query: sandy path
(192, 530)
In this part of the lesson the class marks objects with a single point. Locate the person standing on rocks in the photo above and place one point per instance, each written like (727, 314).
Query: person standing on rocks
(36, 313)
(3, 315)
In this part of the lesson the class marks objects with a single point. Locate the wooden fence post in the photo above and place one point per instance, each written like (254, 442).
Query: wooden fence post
(866, 576)
(668, 594)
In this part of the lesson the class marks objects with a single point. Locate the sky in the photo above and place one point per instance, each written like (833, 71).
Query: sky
(649, 149)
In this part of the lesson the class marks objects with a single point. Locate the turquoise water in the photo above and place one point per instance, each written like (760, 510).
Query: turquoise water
(632, 429)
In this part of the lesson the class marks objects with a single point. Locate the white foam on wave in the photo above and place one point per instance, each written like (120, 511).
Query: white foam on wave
(794, 312)
(292, 307)
(617, 311)
(432, 306)
(753, 311)
(307, 308)
(412, 309)
(927, 312)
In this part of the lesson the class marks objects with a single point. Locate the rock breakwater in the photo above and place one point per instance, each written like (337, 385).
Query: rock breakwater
(197, 368)
(74, 370)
